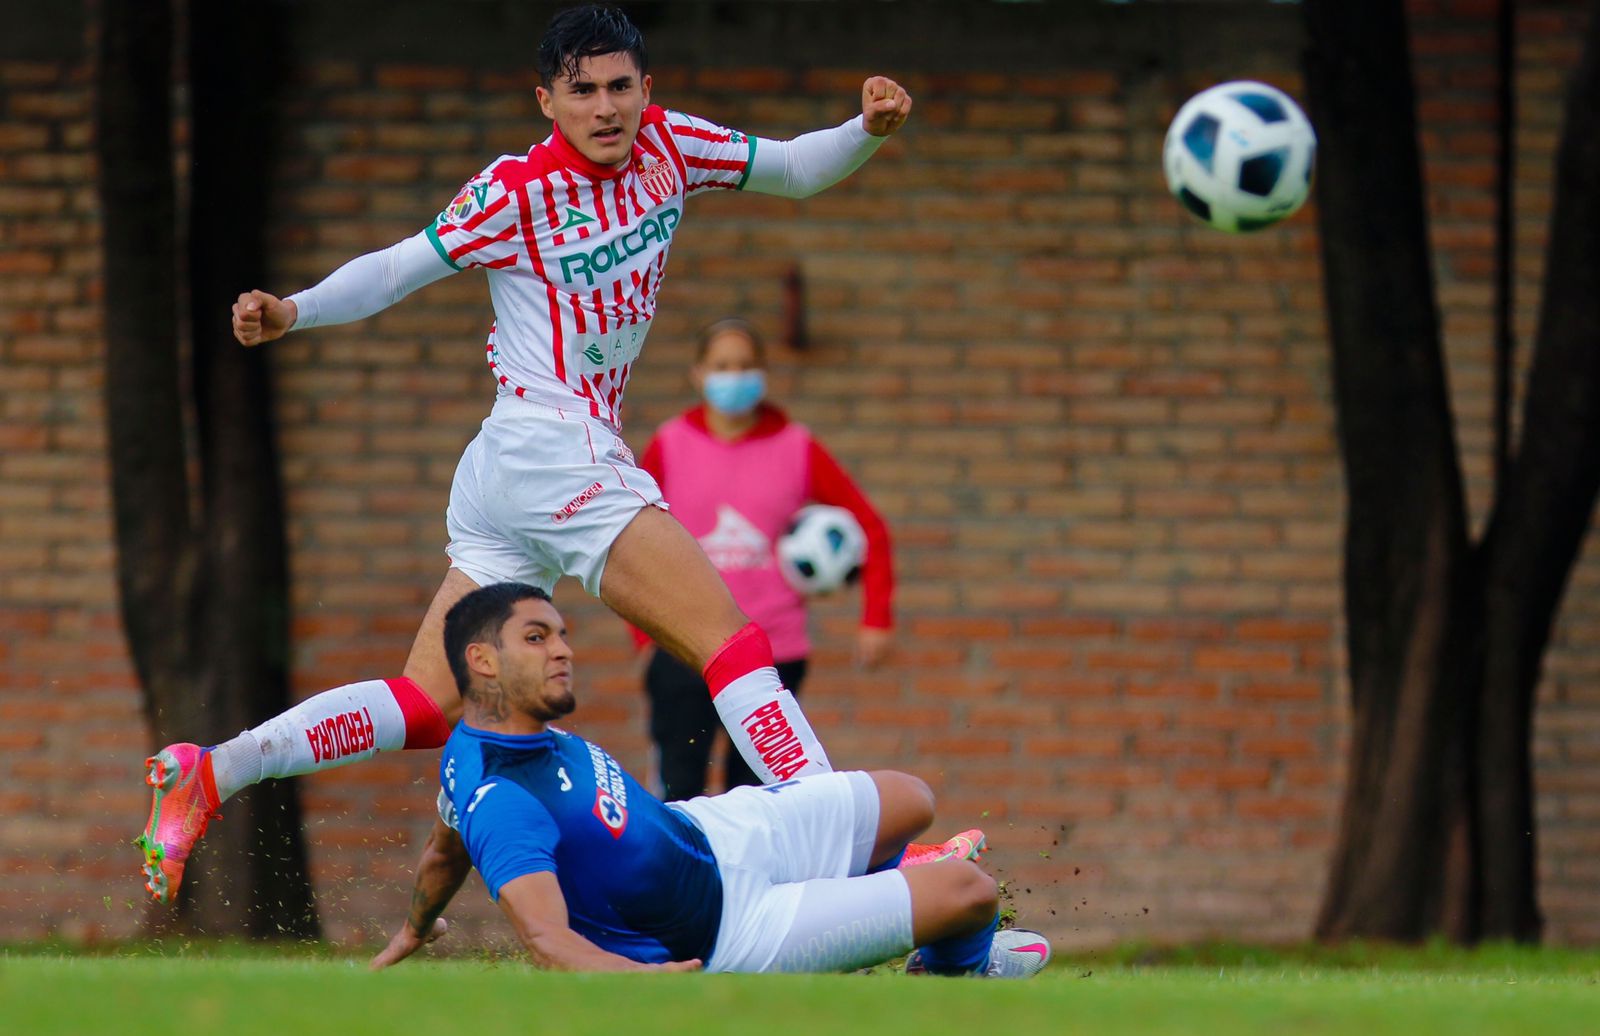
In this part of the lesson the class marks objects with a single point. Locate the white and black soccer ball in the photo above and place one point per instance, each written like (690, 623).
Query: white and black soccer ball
(1239, 156)
(822, 550)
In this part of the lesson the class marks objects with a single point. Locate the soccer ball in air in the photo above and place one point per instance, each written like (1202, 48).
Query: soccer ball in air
(1239, 156)
(822, 550)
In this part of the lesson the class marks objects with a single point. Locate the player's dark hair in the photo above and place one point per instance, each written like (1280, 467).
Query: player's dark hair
(726, 326)
(586, 32)
(477, 618)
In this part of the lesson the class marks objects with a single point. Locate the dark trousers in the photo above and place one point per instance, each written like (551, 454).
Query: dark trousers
(684, 725)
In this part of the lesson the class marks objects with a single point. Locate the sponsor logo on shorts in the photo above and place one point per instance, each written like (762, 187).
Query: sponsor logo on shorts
(775, 741)
(341, 735)
(575, 503)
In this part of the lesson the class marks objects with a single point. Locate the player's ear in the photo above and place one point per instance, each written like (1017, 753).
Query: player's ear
(644, 87)
(543, 97)
(483, 660)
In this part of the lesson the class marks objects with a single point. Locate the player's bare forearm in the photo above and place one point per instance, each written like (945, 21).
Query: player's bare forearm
(440, 872)
(566, 950)
(535, 907)
(443, 867)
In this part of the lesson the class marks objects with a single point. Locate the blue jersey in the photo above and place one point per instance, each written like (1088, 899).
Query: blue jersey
(639, 877)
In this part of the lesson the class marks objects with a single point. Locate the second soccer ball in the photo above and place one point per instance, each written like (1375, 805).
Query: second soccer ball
(1239, 156)
(823, 549)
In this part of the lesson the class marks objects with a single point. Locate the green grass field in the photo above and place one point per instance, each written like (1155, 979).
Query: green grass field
(1305, 993)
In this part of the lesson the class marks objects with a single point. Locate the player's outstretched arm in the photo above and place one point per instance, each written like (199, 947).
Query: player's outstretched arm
(365, 285)
(813, 161)
(538, 912)
(443, 867)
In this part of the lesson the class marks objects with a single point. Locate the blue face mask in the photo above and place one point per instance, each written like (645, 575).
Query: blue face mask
(735, 393)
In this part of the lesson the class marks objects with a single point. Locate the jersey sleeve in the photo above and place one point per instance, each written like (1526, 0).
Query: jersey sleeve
(480, 227)
(508, 833)
(713, 156)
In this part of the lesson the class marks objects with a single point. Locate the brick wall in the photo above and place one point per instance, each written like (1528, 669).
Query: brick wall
(1101, 433)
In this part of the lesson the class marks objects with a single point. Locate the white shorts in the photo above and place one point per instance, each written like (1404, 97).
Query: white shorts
(541, 493)
(791, 855)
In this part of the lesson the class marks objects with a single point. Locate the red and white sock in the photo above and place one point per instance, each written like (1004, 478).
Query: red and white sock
(763, 719)
(331, 729)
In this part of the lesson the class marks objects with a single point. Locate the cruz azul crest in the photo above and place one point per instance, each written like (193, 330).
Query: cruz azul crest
(657, 177)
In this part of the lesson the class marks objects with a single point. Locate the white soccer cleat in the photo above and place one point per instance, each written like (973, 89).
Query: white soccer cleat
(1017, 953)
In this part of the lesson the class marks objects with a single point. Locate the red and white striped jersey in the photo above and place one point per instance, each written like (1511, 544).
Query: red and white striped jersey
(575, 252)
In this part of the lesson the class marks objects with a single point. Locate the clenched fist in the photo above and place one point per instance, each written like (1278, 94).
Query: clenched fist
(259, 317)
(884, 105)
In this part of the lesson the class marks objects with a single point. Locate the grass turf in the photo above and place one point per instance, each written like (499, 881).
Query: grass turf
(1205, 990)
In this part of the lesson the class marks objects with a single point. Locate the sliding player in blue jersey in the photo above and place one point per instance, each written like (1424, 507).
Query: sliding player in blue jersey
(597, 874)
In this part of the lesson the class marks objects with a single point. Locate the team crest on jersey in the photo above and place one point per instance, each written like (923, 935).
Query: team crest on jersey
(612, 813)
(657, 176)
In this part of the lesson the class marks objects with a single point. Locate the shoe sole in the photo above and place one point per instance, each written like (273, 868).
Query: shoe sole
(161, 773)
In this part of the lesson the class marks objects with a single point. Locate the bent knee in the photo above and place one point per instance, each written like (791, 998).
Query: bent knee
(907, 798)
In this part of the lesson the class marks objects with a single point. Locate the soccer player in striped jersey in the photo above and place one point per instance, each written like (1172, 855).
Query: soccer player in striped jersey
(597, 874)
(573, 236)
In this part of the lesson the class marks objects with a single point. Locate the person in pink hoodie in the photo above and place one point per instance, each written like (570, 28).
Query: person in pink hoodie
(735, 469)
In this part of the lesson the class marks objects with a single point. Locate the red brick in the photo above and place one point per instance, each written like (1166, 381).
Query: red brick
(1069, 626)
(1074, 746)
(1222, 777)
(1108, 717)
(1280, 691)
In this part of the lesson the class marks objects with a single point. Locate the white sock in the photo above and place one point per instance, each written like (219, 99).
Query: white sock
(336, 727)
(765, 724)
(236, 764)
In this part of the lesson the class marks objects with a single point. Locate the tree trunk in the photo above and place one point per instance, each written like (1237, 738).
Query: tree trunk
(149, 484)
(204, 598)
(1542, 511)
(1446, 640)
(260, 860)
(1406, 540)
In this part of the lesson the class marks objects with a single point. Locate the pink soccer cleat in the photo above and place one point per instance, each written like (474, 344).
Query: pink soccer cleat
(185, 801)
(968, 845)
